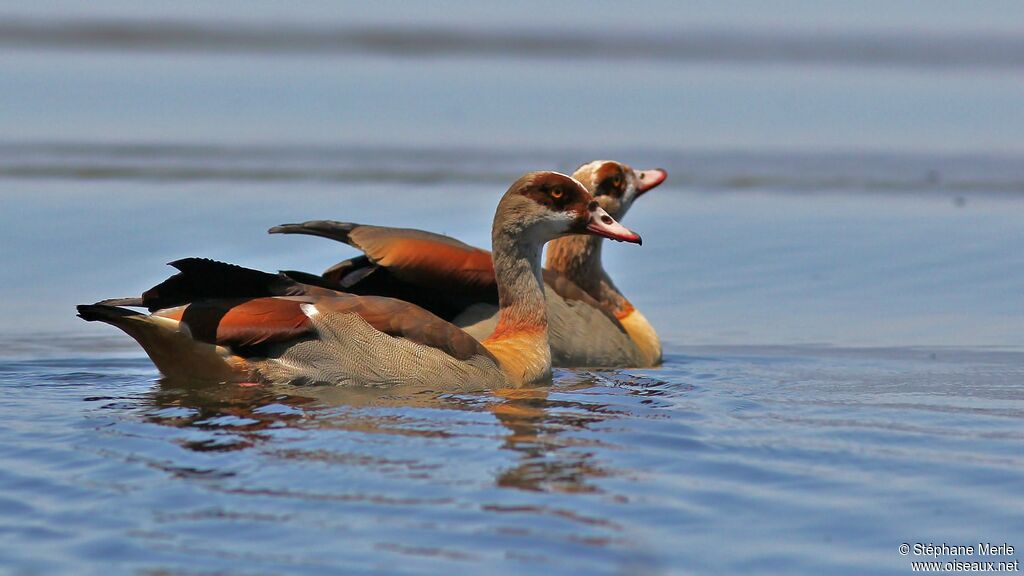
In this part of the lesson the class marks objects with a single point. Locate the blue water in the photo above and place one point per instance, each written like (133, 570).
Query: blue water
(833, 265)
(724, 461)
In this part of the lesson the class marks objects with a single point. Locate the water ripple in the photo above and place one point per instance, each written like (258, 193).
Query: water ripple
(606, 472)
(803, 172)
(736, 46)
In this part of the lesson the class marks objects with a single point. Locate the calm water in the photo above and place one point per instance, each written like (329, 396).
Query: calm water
(834, 265)
(724, 461)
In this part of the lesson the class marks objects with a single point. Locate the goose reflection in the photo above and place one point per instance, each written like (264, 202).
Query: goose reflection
(550, 430)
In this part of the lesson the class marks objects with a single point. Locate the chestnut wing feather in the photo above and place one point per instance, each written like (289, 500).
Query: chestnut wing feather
(437, 272)
(412, 256)
(244, 324)
(239, 324)
(429, 259)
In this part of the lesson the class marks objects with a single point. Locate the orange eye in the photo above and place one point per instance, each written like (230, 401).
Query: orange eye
(556, 193)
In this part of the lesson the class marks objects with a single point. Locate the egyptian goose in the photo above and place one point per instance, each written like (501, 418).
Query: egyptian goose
(615, 186)
(221, 322)
(591, 323)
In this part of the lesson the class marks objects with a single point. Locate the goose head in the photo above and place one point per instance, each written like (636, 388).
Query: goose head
(615, 185)
(543, 206)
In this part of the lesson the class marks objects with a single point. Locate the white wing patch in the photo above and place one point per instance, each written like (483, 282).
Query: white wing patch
(310, 310)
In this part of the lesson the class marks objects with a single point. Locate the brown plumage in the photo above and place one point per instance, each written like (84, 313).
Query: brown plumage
(223, 322)
(615, 187)
(592, 323)
(244, 323)
(403, 320)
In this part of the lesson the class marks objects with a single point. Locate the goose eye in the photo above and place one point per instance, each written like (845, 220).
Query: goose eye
(556, 193)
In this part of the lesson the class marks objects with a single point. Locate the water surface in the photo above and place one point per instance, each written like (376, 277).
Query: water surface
(803, 461)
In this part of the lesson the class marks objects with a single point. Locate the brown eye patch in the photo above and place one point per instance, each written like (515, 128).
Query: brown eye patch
(556, 192)
(611, 180)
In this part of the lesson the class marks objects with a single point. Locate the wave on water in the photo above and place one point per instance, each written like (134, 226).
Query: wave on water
(804, 172)
(739, 46)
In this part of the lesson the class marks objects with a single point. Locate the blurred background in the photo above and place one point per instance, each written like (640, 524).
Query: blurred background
(845, 173)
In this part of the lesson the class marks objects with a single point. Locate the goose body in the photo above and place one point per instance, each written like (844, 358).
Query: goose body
(590, 322)
(220, 322)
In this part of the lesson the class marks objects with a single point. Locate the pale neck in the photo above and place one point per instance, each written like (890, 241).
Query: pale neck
(578, 258)
(520, 340)
(520, 285)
